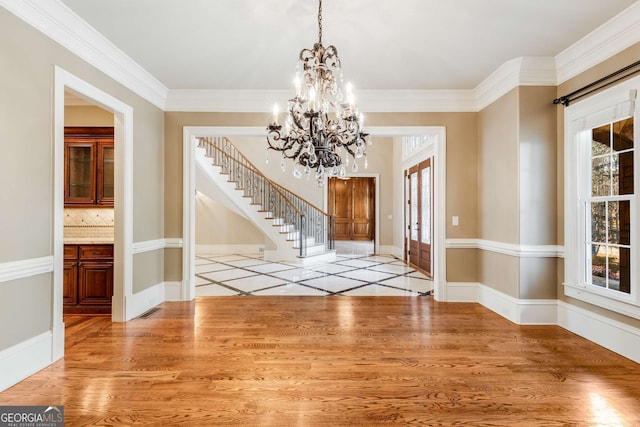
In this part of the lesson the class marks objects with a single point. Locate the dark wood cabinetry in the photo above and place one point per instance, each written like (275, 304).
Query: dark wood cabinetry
(88, 166)
(88, 279)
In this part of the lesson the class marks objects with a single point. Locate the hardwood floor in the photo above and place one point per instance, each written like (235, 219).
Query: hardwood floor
(338, 361)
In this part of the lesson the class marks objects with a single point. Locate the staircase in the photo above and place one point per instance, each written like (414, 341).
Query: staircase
(301, 231)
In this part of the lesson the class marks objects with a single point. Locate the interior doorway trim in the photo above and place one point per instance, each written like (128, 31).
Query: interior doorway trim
(123, 206)
(189, 143)
(189, 190)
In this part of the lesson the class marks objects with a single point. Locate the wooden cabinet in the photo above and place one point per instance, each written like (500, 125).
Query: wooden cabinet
(88, 279)
(88, 166)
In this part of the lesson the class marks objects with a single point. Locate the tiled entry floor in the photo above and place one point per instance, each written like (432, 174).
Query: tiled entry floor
(246, 274)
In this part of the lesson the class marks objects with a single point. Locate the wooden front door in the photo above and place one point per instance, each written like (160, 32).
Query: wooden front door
(352, 201)
(419, 214)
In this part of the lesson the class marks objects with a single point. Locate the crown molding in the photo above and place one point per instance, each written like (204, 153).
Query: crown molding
(57, 21)
(225, 100)
(408, 101)
(54, 19)
(261, 101)
(615, 35)
(523, 71)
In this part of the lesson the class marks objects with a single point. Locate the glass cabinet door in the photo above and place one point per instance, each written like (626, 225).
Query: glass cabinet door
(105, 172)
(80, 173)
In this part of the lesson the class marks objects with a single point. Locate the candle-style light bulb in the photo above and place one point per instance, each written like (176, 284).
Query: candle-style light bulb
(275, 113)
(312, 98)
(296, 82)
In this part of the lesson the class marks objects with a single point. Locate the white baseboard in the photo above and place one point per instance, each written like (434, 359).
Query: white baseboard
(611, 334)
(25, 359)
(145, 300)
(229, 249)
(519, 311)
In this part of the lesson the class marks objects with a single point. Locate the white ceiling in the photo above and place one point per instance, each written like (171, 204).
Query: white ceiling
(383, 44)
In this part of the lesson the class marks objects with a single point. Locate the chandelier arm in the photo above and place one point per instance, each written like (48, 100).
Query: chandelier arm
(297, 153)
(284, 150)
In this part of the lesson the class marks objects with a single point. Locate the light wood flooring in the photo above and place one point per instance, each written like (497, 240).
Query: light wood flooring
(331, 361)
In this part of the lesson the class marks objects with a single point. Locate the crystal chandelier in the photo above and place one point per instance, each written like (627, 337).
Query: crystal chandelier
(323, 127)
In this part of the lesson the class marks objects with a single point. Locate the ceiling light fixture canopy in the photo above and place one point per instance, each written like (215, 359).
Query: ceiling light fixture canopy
(323, 127)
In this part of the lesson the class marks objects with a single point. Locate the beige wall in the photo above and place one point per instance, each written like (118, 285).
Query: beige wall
(218, 225)
(517, 196)
(536, 160)
(498, 210)
(26, 147)
(498, 181)
(462, 265)
(87, 115)
(500, 272)
(25, 309)
(148, 270)
(380, 155)
(538, 187)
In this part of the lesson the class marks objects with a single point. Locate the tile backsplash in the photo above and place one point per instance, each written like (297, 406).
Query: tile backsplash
(88, 225)
(74, 217)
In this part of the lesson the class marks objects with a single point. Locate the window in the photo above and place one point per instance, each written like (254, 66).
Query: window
(415, 144)
(608, 206)
(601, 230)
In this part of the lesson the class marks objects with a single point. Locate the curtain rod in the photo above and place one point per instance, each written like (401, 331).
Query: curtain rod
(566, 99)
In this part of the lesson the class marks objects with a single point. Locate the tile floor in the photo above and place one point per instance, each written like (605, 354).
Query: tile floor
(354, 272)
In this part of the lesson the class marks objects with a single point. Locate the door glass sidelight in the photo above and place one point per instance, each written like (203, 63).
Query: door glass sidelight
(425, 227)
(414, 206)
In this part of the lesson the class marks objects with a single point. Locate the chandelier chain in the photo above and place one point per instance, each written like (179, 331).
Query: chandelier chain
(320, 22)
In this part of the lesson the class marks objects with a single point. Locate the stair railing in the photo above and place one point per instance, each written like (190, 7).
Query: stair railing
(296, 216)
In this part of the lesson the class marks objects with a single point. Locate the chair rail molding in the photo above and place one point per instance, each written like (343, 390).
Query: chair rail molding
(156, 244)
(25, 268)
(512, 249)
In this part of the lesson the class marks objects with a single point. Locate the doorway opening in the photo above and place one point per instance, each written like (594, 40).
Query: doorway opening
(89, 220)
(403, 158)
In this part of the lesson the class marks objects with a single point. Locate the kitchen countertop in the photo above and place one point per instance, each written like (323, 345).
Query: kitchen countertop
(87, 241)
